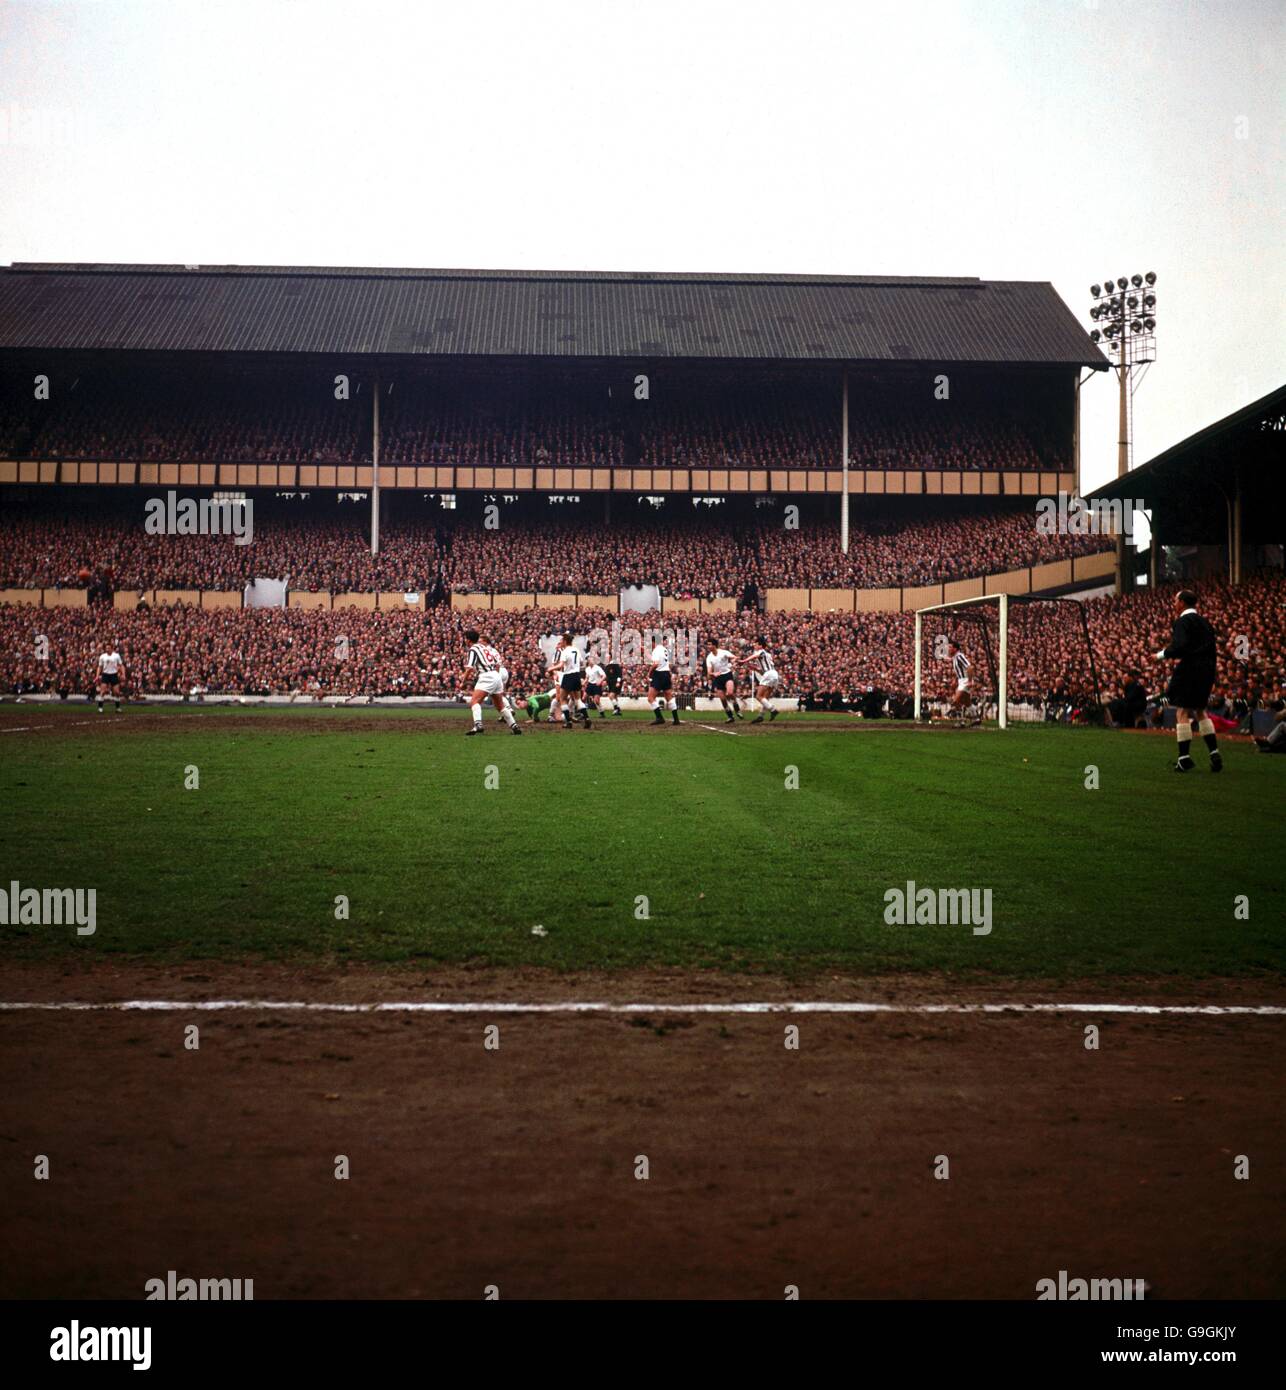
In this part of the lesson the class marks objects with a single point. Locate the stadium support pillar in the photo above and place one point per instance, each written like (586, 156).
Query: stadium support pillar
(1236, 531)
(1122, 464)
(843, 500)
(1076, 434)
(375, 467)
(919, 623)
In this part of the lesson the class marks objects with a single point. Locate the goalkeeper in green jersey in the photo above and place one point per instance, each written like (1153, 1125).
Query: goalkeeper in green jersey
(536, 705)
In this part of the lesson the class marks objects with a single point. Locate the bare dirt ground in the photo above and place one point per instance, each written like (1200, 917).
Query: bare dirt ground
(517, 1166)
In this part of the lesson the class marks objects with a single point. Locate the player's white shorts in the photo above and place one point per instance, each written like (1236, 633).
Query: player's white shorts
(771, 679)
(491, 682)
(962, 685)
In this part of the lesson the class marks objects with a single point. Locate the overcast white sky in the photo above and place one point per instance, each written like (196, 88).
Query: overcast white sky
(1059, 140)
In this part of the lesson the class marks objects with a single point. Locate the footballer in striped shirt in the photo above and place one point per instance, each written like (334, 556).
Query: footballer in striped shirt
(960, 664)
(486, 668)
(765, 678)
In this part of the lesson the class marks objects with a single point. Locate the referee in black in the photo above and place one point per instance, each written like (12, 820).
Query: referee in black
(1193, 646)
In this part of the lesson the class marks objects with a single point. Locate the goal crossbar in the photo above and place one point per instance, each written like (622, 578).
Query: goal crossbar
(1003, 671)
(1001, 604)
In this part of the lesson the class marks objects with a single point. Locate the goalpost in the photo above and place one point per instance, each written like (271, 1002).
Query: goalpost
(1030, 658)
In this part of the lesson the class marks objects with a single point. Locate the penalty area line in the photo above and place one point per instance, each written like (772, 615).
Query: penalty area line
(715, 729)
(573, 1006)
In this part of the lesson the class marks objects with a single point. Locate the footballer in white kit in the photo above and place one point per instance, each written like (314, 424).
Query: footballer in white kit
(111, 671)
(571, 678)
(723, 679)
(595, 682)
(659, 683)
(486, 668)
(766, 680)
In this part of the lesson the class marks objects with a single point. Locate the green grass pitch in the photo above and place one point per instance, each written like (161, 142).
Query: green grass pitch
(739, 870)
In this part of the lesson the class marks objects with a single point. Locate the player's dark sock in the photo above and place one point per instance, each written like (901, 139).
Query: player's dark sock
(1184, 745)
(1211, 741)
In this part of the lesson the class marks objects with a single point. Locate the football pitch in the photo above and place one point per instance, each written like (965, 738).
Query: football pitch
(314, 936)
(242, 834)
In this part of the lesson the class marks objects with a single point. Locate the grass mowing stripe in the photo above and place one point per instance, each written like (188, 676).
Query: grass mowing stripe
(738, 870)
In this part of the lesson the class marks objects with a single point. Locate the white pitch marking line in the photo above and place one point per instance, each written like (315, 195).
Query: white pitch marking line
(32, 729)
(655, 1007)
(715, 729)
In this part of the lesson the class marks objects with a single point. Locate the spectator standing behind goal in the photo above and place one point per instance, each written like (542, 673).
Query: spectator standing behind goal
(1129, 707)
(1193, 646)
(1276, 740)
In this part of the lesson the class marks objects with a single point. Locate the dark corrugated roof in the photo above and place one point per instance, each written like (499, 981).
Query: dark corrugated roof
(538, 313)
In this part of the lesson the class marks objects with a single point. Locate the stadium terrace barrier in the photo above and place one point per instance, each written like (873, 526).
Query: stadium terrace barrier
(832, 600)
(507, 603)
(925, 596)
(957, 589)
(1051, 576)
(127, 600)
(344, 477)
(400, 601)
(1100, 566)
(878, 600)
(65, 598)
(1013, 582)
(1037, 579)
(468, 603)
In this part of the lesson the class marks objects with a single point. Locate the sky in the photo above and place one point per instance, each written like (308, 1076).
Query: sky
(1061, 140)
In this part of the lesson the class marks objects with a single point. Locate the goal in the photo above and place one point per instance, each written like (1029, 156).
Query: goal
(1030, 659)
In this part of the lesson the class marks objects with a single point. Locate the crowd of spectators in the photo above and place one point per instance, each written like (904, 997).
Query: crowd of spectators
(890, 426)
(685, 553)
(517, 418)
(176, 650)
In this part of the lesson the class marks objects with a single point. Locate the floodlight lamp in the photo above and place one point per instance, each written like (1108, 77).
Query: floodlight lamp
(1151, 277)
(1122, 282)
(1136, 280)
(1096, 290)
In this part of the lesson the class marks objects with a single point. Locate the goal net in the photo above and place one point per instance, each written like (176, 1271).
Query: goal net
(1026, 659)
